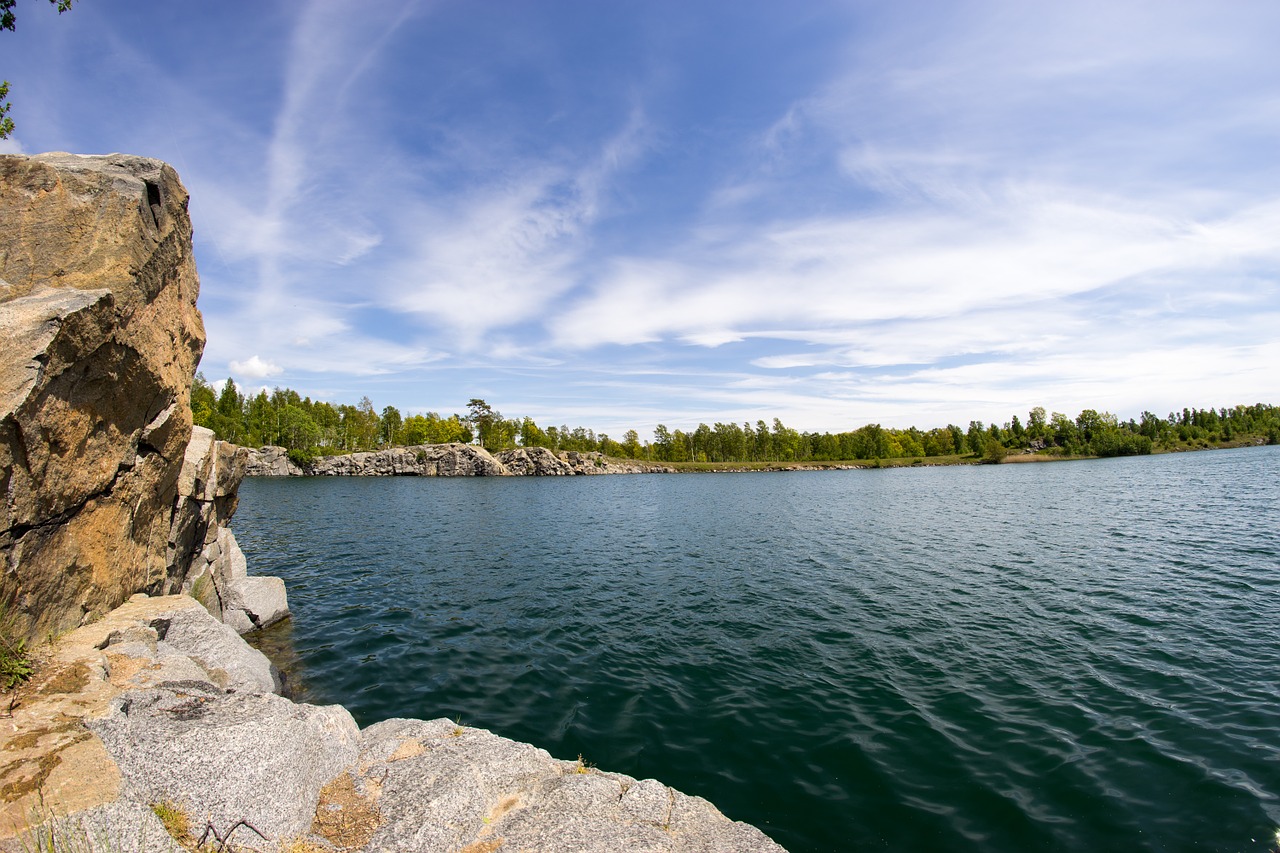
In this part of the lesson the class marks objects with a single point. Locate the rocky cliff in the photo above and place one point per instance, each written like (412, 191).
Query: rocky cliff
(98, 292)
(445, 460)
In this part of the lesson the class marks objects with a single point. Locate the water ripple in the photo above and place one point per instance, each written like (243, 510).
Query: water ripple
(1077, 656)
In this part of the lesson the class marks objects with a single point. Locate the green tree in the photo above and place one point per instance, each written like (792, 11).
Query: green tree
(1036, 423)
(976, 438)
(532, 435)
(8, 21)
(482, 417)
(204, 403)
(631, 443)
(663, 443)
(262, 422)
(939, 442)
(228, 418)
(390, 427)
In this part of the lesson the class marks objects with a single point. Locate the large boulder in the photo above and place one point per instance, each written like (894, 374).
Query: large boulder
(257, 758)
(534, 462)
(98, 311)
(271, 461)
(157, 702)
(435, 785)
(422, 460)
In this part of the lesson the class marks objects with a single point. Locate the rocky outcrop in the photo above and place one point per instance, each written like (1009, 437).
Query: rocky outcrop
(203, 551)
(270, 461)
(105, 487)
(446, 460)
(598, 463)
(159, 702)
(102, 336)
(440, 786)
(424, 460)
(534, 462)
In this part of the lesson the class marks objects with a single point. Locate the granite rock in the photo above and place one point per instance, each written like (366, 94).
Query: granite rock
(100, 304)
(440, 786)
(271, 461)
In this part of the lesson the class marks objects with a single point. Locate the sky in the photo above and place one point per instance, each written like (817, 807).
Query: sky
(621, 214)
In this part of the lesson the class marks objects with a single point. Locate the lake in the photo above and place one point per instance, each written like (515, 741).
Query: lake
(1068, 656)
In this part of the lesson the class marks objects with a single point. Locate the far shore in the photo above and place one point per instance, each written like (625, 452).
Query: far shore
(1014, 457)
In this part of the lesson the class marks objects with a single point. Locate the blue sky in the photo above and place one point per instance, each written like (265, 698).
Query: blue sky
(619, 214)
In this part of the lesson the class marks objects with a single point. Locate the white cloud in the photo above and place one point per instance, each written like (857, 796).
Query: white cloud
(1036, 245)
(256, 368)
(502, 253)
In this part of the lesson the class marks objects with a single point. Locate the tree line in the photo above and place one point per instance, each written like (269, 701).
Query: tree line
(309, 428)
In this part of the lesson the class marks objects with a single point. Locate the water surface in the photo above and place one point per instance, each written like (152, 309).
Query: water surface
(1074, 656)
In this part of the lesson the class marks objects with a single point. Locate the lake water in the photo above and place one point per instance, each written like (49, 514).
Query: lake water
(1073, 656)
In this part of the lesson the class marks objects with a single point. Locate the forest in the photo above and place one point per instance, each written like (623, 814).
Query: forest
(308, 429)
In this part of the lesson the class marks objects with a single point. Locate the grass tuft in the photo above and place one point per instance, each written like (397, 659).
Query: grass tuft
(175, 821)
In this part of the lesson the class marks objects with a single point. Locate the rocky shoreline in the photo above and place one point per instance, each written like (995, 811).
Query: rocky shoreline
(160, 704)
(445, 460)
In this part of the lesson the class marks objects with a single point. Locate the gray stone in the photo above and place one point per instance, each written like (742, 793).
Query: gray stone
(255, 603)
(271, 461)
(225, 758)
(440, 786)
(424, 460)
(534, 462)
(448, 460)
(119, 827)
(230, 662)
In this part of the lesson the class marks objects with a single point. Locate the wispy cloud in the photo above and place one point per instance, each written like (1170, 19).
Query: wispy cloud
(624, 214)
(500, 255)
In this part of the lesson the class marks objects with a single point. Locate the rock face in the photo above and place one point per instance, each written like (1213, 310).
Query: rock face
(271, 462)
(439, 786)
(203, 552)
(445, 460)
(426, 460)
(102, 336)
(160, 702)
(534, 462)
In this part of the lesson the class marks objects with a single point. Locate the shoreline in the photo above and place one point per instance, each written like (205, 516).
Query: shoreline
(144, 728)
(390, 462)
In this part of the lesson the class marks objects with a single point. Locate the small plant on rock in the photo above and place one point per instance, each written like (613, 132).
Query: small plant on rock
(15, 660)
(175, 822)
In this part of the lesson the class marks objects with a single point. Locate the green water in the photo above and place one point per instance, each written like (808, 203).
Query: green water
(1078, 656)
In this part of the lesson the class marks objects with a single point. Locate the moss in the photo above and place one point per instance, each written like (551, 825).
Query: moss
(68, 680)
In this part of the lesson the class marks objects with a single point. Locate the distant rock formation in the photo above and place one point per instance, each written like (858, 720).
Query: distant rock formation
(98, 292)
(445, 460)
(271, 461)
(534, 462)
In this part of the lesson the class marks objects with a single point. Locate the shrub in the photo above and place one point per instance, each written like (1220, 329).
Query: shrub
(15, 659)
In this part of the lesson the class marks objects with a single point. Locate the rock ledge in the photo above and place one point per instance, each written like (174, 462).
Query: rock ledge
(446, 460)
(161, 702)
